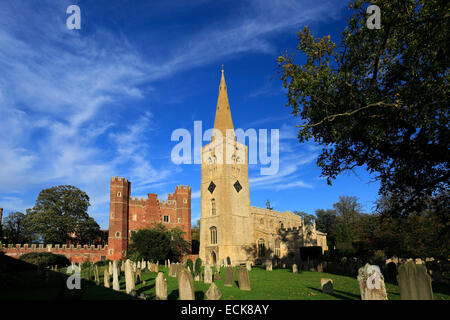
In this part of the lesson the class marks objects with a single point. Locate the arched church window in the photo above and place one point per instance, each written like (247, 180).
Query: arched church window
(261, 248)
(277, 247)
(213, 233)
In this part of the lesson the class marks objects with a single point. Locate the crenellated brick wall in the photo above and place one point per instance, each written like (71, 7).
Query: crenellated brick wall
(73, 253)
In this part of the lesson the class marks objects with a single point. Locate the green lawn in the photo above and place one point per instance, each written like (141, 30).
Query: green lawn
(279, 284)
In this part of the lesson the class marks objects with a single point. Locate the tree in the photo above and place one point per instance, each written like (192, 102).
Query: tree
(14, 228)
(178, 246)
(59, 212)
(158, 244)
(150, 244)
(306, 218)
(325, 222)
(379, 98)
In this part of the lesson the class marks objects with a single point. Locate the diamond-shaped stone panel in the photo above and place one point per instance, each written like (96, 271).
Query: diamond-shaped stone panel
(211, 187)
(237, 186)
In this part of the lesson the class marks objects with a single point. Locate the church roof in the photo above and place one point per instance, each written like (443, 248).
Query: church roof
(223, 119)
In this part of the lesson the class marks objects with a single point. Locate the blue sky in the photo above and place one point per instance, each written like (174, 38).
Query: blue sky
(81, 106)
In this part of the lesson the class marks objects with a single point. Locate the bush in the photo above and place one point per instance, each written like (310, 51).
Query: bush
(45, 259)
(190, 265)
(198, 267)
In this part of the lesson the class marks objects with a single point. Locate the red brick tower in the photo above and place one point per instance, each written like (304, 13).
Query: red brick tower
(183, 200)
(118, 218)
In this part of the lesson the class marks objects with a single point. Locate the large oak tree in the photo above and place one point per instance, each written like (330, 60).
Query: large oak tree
(379, 98)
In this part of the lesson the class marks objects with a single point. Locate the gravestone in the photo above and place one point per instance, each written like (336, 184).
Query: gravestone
(269, 267)
(208, 274)
(106, 278)
(110, 270)
(371, 283)
(161, 287)
(172, 272)
(138, 266)
(248, 265)
(213, 293)
(185, 285)
(97, 278)
(320, 267)
(229, 277)
(116, 285)
(129, 277)
(243, 279)
(122, 266)
(294, 268)
(326, 285)
(413, 282)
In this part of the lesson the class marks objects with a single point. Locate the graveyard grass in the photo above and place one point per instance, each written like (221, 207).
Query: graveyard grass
(279, 284)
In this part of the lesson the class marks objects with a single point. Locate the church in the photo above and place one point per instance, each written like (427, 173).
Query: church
(232, 231)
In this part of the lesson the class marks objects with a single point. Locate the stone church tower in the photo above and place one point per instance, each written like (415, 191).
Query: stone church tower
(226, 226)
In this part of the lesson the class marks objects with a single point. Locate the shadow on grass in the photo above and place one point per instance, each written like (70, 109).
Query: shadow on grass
(337, 295)
(20, 280)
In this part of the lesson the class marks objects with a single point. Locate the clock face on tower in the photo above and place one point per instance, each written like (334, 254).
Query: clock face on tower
(211, 187)
(237, 186)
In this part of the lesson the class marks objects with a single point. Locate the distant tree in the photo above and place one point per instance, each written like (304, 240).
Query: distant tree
(307, 219)
(59, 212)
(379, 98)
(178, 246)
(150, 244)
(14, 228)
(325, 222)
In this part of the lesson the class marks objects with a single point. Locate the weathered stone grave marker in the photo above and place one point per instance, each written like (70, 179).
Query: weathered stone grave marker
(161, 287)
(413, 282)
(371, 283)
(243, 279)
(213, 292)
(185, 285)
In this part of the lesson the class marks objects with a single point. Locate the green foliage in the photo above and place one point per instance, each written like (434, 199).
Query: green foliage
(178, 246)
(190, 264)
(59, 212)
(157, 244)
(379, 98)
(45, 259)
(379, 258)
(198, 267)
(150, 244)
(14, 230)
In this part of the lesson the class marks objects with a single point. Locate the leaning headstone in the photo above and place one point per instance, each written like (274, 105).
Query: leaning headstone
(129, 277)
(413, 282)
(208, 274)
(371, 283)
(327, 285)
(243, 279)
(106, 278)
(248, 265)
(116, 285)
(213, 292)
(294, 268)
(229, 277)
(185, 285)
(161, 287)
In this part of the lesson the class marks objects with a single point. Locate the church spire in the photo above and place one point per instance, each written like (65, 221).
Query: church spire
(223, 119)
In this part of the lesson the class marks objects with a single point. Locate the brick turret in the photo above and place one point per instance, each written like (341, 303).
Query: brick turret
(183, 199)
(118, 218)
